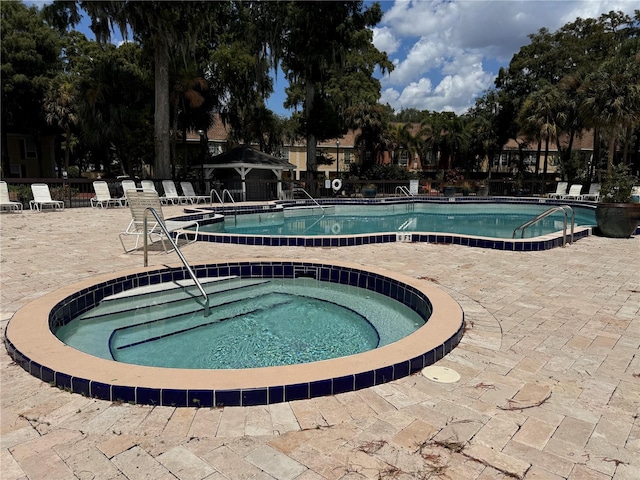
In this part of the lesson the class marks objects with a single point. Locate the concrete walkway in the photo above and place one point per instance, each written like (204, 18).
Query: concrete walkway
(549, 389)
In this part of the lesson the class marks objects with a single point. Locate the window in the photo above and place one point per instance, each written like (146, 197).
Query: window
(28, 148)
(347, 157)
(403, 161)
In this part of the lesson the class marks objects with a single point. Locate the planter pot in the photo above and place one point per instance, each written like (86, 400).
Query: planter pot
(483, 191)
(369, 192)
(617, 220)
(449, 191)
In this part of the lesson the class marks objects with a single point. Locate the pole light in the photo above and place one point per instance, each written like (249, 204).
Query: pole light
(337, 158)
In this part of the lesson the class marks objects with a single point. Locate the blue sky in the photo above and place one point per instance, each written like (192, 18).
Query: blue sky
(448, 52)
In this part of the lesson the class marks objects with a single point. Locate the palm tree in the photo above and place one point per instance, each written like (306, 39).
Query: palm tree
(59, 107)
(539, 118)
(370, 122)
(612, 96)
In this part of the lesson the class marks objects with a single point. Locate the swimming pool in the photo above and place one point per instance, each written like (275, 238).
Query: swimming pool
(252, 323)
(30, 341)
(487, 223)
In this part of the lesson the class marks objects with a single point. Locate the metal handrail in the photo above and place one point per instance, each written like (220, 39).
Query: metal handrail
(307, 194)
(213, 190)
(546, 213)
(175, 247)
(404, 190)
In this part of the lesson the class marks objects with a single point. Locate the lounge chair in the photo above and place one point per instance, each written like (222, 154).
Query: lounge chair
(189, 193)
(42, 198)
(6, 202)
(103, 198)
(593, 194)
(127, 185)
(574, 192)
(139, 201)
(561, 189)
(147, 185)
(171, 193)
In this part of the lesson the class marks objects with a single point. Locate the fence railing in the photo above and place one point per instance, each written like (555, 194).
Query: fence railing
(77, 192)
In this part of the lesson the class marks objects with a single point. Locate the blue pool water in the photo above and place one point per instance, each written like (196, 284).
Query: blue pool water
(495, 220)
(253, 323)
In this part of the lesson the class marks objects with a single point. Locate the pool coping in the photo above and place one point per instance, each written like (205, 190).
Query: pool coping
(32, 345)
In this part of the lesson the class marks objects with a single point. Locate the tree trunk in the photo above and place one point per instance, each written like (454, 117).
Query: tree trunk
(312, 167)
(162, 169)
(612, 147)
(544, 167)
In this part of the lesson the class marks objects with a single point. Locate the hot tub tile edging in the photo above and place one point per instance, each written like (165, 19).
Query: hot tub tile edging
(380, 283)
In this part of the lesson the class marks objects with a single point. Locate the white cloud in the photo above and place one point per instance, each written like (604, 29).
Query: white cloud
(385, 41)
(449, 43)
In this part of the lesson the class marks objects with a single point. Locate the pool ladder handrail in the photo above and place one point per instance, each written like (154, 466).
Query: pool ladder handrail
(177, 250)
(295, 189)
(221, 200)
(546, 213)
(404, 190)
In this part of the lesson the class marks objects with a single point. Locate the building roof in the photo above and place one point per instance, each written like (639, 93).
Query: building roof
(247, 157)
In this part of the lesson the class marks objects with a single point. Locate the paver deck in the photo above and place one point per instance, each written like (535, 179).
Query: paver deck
(549, 365)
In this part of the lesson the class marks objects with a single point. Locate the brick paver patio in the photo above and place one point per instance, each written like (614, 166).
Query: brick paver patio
(549, 388)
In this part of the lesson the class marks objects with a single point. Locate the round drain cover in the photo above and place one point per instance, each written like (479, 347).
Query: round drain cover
(441, 374)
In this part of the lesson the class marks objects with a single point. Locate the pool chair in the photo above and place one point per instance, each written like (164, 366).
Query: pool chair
(593, 194)
(561, 189)
(139, 201)
(171, 193)
(6, 202)
(189, 193)
(148, 185)
(42, 198)
(574, 192)
(103, 198)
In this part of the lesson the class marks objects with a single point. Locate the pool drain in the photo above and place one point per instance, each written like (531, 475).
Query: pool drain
(441, 374)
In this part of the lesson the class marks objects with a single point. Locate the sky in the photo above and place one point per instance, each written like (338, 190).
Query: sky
(448, 52)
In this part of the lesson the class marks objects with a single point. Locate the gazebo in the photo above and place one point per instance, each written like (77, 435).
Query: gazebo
(244, 163)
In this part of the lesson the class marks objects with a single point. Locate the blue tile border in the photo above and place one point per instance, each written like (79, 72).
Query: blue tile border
(79, 302)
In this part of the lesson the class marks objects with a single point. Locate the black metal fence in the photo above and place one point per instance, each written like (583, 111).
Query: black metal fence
(77, 192)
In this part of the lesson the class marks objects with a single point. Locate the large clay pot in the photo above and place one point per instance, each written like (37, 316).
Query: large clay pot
(617, 220)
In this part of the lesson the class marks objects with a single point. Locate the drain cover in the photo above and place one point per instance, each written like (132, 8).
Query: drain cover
(441, 374)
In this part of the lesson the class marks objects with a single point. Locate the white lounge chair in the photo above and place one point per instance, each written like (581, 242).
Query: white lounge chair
(139, 201)
(42, 198)
(171, 193)
(127, 185)
(561, 189)
(574, 192)
(103, 198)
(593, 194)
(189, 192)
(6, 202)
(148, 185)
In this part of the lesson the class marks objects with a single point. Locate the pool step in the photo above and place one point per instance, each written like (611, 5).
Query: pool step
(159, 328)
(162, 295)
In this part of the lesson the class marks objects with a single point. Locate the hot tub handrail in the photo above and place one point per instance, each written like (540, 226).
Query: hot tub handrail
(175, 247)
(300, 189)
(546, 213)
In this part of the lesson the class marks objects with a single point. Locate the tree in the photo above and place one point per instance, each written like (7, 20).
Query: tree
(30, 52)
(612, 96)
(166, 29)
(59, 107)
(323, 46)
(539, 117)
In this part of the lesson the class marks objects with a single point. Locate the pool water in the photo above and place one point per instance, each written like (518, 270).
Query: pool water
(493, 220)
(253, 323)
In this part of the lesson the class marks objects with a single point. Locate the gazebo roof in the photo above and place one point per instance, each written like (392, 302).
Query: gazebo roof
(244, 156)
